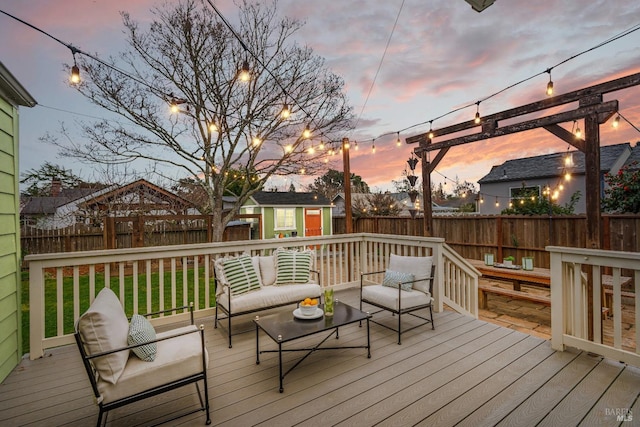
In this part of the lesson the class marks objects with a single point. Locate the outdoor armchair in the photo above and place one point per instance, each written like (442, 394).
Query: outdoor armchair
(407, 287)
(127, 362)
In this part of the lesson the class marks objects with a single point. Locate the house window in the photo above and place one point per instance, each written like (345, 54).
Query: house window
(285, 218)
(522, 193)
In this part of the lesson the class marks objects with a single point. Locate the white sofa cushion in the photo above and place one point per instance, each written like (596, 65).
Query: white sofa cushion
(269, 296)
(293, 266)
(267, 269)
(388, 297)
(103, 327)
(420, 267)
(176, 358)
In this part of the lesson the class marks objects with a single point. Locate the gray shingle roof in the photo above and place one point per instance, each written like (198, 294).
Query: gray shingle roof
(634, 157)
(550, 165)
(290, 198)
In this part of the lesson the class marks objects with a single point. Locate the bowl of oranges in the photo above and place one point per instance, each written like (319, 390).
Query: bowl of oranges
(308, 306)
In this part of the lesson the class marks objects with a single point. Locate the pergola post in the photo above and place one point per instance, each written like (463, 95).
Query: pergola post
(348, 221)
(427, 221)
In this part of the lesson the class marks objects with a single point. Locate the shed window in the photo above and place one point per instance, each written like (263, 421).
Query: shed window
(285, 218)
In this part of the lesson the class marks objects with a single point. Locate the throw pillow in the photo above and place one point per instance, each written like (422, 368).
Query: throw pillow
(420, 267)
(141, 331)
(241, 275)
(103, 327)
(393, 278)
(292, 266)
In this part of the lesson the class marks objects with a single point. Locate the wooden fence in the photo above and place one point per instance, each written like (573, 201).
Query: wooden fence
(471, 236)
(126, 232)
(474, 235)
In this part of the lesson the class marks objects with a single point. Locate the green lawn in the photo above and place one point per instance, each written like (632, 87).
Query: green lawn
(51, 307)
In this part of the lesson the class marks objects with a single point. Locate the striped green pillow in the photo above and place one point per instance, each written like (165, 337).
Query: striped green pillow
(241, 275)
(292, 266)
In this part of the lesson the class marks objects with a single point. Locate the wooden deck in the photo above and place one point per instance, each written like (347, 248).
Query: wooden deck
(466, 372)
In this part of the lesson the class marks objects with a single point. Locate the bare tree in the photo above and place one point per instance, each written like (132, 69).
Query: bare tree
(189, 59)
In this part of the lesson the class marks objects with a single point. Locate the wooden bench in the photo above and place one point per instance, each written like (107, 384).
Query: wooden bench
(485, 289)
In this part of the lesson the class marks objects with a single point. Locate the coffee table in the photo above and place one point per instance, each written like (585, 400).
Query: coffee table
(283, 327)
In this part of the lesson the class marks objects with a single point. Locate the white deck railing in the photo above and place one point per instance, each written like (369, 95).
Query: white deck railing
(573, 271)
(62, 285)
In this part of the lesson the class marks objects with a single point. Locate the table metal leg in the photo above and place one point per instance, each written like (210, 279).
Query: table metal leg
(280, 363)
(368, 341)
(257, 345)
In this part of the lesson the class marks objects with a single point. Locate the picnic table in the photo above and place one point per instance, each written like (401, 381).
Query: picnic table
(538, 276)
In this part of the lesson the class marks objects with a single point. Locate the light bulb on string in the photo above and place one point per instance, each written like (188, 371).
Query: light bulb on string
(75, 72)
(398, 142)
(616, 122)
(550, 84)
(476, 120)
(373, 148)
(497, 202)
(321, 145)
(430, 129)
(245, 74)
(355, 145)
(567, 176)
(286, 112)
(311, 150)
(306, 133)
(213, 127)
(256, 141)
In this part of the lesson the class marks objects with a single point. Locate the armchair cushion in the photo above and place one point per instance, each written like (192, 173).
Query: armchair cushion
(385, 296)
(292, 266)
(104, 327)
(394, 278)
(420, 267)
(141, 331)
(177, 358)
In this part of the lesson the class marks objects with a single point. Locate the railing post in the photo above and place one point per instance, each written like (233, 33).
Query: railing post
(438, 290)
(557, 303)
(36, 310)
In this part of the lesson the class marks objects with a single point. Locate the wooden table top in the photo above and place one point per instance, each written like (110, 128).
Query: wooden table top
(541, 276)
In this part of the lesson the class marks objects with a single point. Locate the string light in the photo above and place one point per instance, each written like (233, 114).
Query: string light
(245, 74)
(307, 132)
(75, 71)
(616, 122)
(321, 146)
(373, 148)
(476, 120)
(430, 129)
(311, 150)
(257, 141)
(286, 112)
(288, 148)
(398, 142)
(550, 84)
(355, 144)
(213, 127)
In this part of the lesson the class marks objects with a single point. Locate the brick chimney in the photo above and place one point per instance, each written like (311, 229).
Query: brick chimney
(56, 187)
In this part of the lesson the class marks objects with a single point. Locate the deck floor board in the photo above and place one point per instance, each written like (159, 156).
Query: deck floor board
(466, 372)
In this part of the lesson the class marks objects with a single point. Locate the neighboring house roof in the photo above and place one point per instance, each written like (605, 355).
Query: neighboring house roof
(289, 198)
(551, 165)
(634, 157)
(48, 204)
(155, 197)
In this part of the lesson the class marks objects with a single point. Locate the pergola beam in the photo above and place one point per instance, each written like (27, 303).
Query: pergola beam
(490, 128)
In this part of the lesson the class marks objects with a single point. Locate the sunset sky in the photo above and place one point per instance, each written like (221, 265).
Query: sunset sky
(442, 55)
